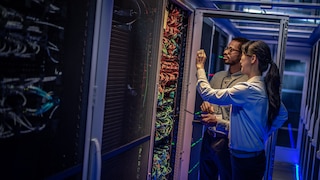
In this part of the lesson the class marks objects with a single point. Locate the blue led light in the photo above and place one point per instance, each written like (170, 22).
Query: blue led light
(297, 172)
(291, 136)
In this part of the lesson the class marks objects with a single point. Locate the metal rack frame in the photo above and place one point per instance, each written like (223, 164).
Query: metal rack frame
(185, 137)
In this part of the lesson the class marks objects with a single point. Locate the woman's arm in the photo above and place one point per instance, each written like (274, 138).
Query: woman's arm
(279, 120)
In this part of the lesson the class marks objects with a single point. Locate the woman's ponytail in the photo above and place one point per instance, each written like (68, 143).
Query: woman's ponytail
(272, 81)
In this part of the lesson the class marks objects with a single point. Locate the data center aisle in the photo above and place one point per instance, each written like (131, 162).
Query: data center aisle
(284, 171)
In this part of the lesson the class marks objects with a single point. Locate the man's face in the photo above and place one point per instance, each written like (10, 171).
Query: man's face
(232, 53)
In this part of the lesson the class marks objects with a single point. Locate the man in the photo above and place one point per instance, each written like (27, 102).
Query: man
(215, 156)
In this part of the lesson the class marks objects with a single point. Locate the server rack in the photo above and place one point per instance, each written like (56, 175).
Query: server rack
(122, 124)
(45, 62)
(169, 91)
(309, 155)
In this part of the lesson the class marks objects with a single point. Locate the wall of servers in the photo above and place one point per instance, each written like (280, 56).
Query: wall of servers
(310, 144)
(34, 58)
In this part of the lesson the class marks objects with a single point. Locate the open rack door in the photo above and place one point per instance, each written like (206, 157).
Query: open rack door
(224, 19)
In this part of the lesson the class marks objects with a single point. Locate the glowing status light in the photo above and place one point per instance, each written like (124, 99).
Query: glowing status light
(291, 136)
(297, 172)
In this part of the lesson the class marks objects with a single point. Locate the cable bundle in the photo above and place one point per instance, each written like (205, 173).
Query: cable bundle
(161, 165)
(168, 82)
(23, 106)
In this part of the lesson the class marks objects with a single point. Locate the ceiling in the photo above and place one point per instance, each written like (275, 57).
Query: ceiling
(304, 18)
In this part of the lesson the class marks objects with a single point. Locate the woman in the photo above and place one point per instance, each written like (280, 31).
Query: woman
(256, 108)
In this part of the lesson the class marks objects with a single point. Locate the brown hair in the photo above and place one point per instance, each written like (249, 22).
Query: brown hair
(272, 78)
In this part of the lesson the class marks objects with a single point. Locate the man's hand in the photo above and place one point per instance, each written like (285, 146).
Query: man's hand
(206, 107)
(200, 59)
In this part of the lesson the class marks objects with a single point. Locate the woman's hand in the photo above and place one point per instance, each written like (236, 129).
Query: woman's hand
(208, 119)
(200, 59)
